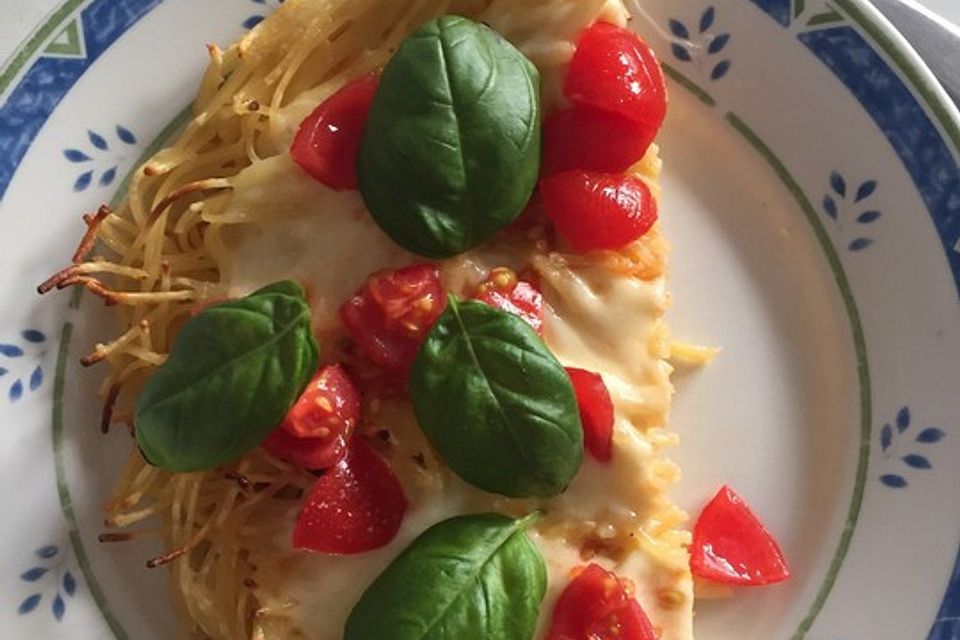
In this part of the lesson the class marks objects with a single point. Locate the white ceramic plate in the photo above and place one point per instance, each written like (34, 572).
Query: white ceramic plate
(812, 194)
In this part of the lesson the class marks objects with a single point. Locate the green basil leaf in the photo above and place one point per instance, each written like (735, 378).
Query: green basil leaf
(451, 149)
(233, 373)
(474, 577)
(496, 404)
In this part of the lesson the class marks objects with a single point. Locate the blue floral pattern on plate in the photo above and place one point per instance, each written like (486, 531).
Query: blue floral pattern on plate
(50, 580)
(894, 437)
(100, 161)
(837, 205)
(705, 45)
(21, 364)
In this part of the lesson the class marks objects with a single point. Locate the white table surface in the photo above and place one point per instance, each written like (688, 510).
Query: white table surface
(18, 18)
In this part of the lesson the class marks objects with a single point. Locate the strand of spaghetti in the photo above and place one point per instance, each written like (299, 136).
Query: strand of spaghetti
(163, 309)
(127, 518)
(101, 351)
(134, 473)
(118, 223)
(190, 258)
(114, 242)
(150, 357)
(142, 485)
(297, 54)
(99, 265)
(251, 125)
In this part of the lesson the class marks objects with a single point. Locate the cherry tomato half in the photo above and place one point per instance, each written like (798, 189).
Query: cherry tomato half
(390, 316)
(583, 137)
(598, 605)
(316, 430)
(731, 545)
(598, 210)
(613, 69)
(503, 290)
(596, 412)
(327, 143)
(356, 506)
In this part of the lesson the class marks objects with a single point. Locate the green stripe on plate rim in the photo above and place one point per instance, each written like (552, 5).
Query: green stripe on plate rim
(63, 488)
(910, 64)
(859, 343)
(863, 367)
(28, 48)
(674, 74)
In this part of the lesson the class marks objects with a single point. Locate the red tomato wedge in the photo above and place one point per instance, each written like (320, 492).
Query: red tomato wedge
(328, 140)
(613, 69)
(597, 605)
(306, 453)
(356, 506)
(315, 433)
(583, 137)
(390, 316)
(598, 210)
(731, 545)
(503, 290)
(329, 407)
(596, 412)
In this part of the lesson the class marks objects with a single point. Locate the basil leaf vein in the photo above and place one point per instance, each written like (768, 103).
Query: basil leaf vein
(470, 577)
(233, 372)
(496, 404)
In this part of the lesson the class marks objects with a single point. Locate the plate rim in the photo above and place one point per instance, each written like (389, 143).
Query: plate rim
(881, 33)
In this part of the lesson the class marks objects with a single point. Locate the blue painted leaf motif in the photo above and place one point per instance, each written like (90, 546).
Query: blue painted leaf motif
(893, 481)
(75, 155)
(259, 1)
(838, 184)
(868, 216)
(860, 244)
(36, 378)
(886, 437)
(16, 391)
(930, 435)
(866, 190)
(10, 350)
(3, 372)
(252, 21)
(830, 206)
(107, 178)
(679, 29)
(58, 607)
(97, 140)
(34, 336)
(47, 552)
(720, 70)
(126, 135)
(706, 20)
(83, 181)
(903, 419)
(29, 604)
(681, 52)
(69, 584)
(717, 44)
(917, 461)
(34, 574)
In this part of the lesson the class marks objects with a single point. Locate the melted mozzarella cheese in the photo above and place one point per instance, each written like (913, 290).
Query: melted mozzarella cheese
(306, 231)
(596, 320)
(588, 328)
(607, 500)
